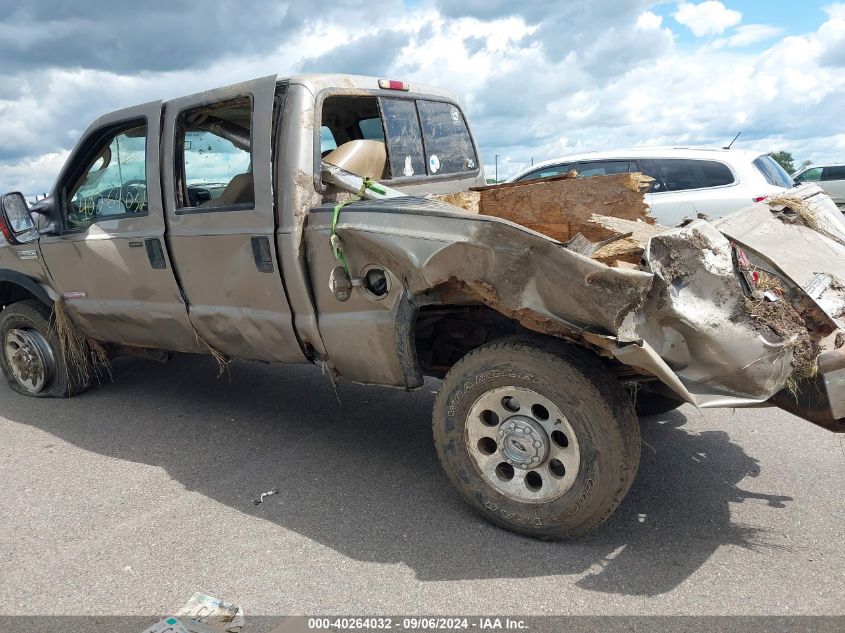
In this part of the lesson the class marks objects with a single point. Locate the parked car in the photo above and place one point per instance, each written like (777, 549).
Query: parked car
(245, 243)
(831, 178)
(688, 181)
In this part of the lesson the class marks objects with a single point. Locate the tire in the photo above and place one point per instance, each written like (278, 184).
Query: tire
(598, 452)
(648, 403)
(25, 328)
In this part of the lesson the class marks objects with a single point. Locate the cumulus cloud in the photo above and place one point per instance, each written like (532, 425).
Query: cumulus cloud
(376, 52)
(707, 18)
(537, 80)
(749, 34)
(832, 36)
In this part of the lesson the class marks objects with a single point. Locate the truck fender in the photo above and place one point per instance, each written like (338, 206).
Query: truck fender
(15, 285)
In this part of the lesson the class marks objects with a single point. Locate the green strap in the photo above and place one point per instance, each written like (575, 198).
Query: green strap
(337, 245)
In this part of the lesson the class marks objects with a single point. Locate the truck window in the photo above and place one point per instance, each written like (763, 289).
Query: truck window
(327, 142)
(371, 129)
(216, 159)
(448, 145)
(114, 184)
(404, 138)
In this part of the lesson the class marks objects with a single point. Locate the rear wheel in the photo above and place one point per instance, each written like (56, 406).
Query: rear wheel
(539, 437)
(32, 360)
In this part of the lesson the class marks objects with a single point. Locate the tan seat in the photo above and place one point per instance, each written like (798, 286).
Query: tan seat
(364, 158)
(240, 190)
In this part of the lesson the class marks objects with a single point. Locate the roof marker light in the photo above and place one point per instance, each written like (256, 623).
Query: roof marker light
(390, 84)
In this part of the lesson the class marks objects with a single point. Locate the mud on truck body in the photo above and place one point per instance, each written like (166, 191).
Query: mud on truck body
(292, 221)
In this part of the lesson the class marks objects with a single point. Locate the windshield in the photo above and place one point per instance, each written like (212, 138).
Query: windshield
(772, 172)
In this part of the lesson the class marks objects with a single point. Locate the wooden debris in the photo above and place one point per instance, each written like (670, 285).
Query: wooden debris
(564, 208)
(629, 249)
(560, 207)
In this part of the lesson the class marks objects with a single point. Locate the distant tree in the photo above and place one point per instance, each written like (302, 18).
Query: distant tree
(805, 163)
(785, 160)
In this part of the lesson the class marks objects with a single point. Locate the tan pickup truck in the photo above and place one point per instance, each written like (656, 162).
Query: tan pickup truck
(290, 220)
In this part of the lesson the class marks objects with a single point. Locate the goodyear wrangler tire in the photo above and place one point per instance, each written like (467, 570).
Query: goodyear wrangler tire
(537, 435)
(31, 357)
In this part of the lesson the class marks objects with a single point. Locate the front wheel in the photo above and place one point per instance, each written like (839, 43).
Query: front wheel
(540, 438)
(32, 359)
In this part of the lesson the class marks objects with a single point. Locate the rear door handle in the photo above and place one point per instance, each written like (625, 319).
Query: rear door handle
(155, 253)
(261, 254)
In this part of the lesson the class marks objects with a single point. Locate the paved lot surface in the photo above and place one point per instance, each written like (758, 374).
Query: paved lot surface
(132, 497)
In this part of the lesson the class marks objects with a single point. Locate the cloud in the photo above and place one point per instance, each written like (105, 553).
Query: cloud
(706, 18)
(376, 52)
(749, 34)
(832, 36)
(536, 79)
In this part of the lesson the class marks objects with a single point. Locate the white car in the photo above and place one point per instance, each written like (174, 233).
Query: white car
(831, 178)
(687, 180)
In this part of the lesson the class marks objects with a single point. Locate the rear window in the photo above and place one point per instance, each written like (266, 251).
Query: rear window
(834, 173)
(681, 174)
(404, 138)
(772, 172)
(448, 146)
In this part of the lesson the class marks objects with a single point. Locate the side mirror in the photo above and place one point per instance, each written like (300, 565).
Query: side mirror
(17, 224)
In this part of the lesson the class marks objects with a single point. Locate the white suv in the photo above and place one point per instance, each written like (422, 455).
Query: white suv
(831, 178)
(687, 180)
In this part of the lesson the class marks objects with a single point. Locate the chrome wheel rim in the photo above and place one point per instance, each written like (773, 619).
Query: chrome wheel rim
(30, 358)
(522, 444)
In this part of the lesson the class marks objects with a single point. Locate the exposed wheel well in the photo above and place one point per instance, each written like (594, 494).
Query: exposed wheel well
(446, 333)
(443, 334)
(11, 292)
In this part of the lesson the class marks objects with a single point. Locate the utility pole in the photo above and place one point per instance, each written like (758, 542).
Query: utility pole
(497, 168)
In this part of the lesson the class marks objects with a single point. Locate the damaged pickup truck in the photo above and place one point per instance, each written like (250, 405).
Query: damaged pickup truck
(344, 221)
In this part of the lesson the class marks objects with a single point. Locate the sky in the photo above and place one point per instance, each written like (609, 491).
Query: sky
(537, 80)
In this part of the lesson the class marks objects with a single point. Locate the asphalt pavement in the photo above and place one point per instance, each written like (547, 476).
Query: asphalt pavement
(128, 499)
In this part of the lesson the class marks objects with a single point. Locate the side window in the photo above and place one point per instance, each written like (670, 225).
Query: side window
(371, 129)
(114, 183)
(649, 167)
(404, 139)
(448, 145)
(603, 167)
(215, 164)
(327, 142)
(680, 174)
(550, 171)
(811, 175)
(834, 173)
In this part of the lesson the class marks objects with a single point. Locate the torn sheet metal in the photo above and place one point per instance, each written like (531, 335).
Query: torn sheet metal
(694, 329)
(684, 316)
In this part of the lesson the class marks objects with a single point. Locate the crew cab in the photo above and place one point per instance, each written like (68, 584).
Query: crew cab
(286, 220)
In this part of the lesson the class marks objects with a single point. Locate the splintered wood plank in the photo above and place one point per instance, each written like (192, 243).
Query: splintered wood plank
(561, 207)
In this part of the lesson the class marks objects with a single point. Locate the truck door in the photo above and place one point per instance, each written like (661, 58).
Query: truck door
(108, 258)
(221, 220)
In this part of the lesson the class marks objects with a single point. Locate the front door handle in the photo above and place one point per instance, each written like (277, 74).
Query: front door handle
(155, 253)
(262, 255)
